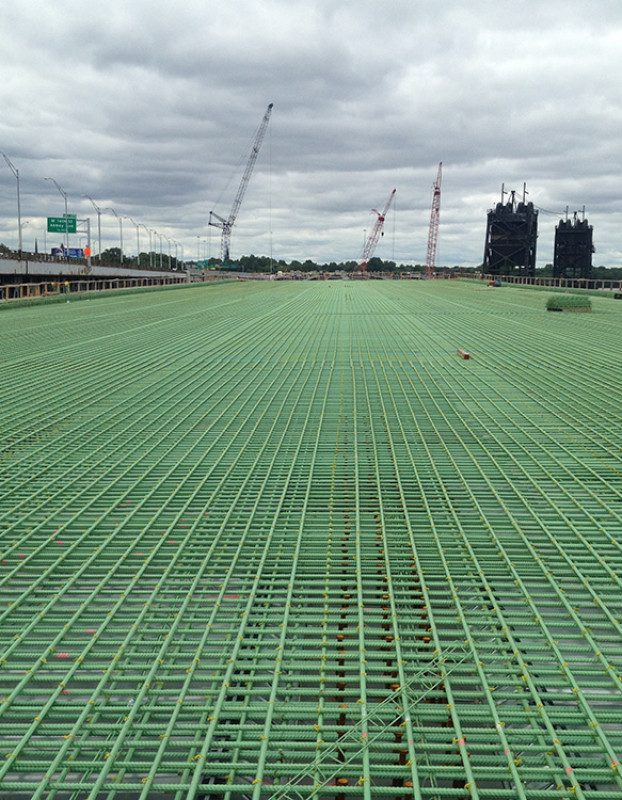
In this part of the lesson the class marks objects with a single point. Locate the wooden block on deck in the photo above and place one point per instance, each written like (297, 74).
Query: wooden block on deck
(463, 353)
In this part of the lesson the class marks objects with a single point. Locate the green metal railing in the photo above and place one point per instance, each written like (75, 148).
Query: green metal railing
(278, 540)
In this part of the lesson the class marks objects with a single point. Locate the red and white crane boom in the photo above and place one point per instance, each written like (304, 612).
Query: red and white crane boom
(430, 260)
(372, 241)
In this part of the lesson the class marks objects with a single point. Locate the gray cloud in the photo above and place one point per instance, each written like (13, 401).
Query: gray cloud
(150, 108)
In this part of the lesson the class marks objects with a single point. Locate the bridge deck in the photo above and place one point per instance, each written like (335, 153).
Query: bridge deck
(267, 541)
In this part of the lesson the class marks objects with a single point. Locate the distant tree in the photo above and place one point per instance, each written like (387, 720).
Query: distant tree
(255, 263)
(607, 273)
(111, 256)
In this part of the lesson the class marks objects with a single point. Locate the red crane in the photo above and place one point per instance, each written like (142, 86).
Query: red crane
(370, 244)
(430, 260)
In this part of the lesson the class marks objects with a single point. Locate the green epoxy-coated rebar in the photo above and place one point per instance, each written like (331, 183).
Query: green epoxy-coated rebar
(278, 540)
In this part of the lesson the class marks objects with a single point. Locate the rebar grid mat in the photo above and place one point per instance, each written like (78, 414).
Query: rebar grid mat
(278, 540)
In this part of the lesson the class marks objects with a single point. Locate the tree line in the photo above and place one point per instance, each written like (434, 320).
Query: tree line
(253, 263)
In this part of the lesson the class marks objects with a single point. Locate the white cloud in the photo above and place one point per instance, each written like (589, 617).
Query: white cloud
(149, 107)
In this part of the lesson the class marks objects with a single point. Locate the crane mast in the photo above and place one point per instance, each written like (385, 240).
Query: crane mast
(372, 241)
(430, 260)
(227, 224)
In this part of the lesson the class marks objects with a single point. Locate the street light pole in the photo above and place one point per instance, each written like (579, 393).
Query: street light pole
(120, 231)
(155, 244)
(149, 234)
(137, 241)
(64, 194)
(177, 243)
(99, 226)
(21, 229)
(15, 172)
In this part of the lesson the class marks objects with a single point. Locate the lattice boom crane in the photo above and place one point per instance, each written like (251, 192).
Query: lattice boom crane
(430, 260)
(227, 224)
(372, 241)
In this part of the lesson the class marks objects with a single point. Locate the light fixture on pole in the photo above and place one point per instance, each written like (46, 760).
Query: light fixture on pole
(120, 232)
(99, 226)
(64, 194)
(15, 172)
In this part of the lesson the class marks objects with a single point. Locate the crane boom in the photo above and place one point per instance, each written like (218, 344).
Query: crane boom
(227, 224)
(430, 260)
(372, 241)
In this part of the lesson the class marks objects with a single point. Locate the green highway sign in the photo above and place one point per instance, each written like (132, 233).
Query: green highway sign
(59, 225)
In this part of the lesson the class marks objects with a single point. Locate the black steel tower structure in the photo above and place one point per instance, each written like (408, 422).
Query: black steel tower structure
(511, 235)
(572, 257)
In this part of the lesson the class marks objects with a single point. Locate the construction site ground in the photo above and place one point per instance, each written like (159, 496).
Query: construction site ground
(281, 540)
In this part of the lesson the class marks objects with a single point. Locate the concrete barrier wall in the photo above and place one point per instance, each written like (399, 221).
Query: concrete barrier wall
(12, 266)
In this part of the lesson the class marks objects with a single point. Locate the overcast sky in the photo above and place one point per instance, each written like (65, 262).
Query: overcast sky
(150, 108)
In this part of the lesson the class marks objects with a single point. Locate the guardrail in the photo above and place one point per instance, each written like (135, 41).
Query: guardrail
(558, 283)
(22, 291)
